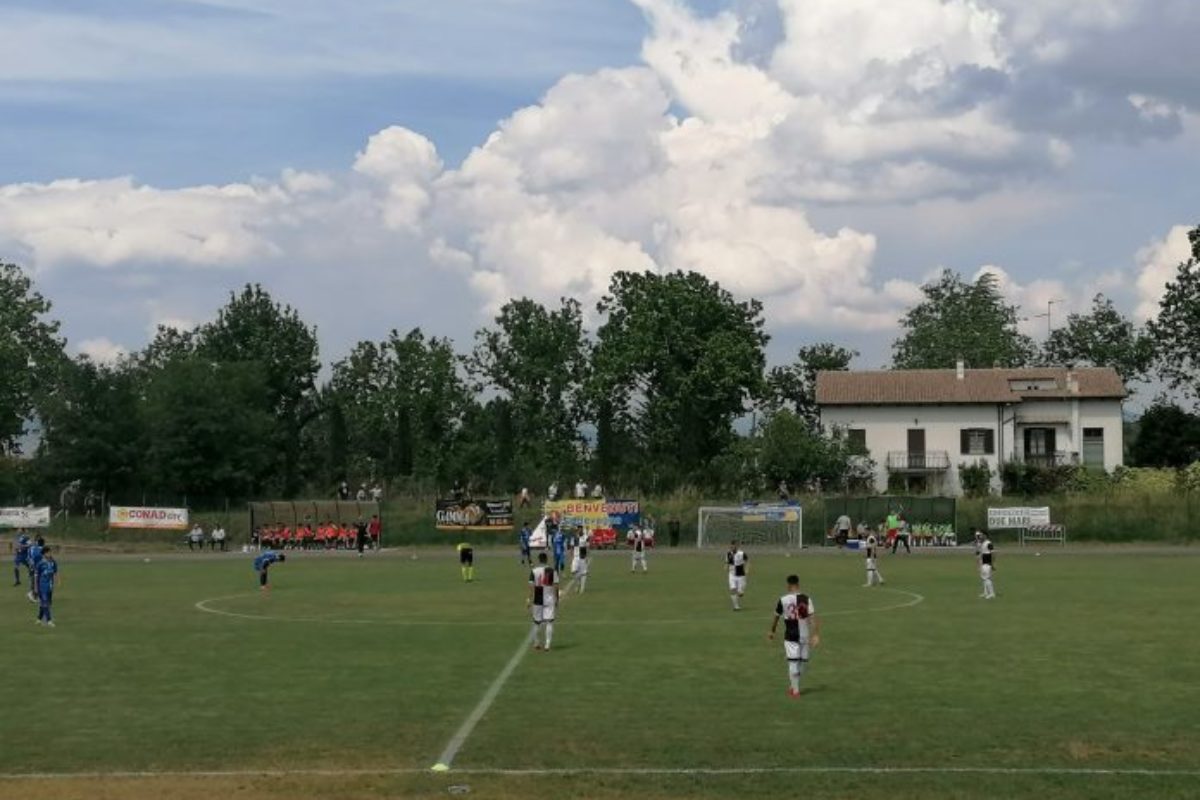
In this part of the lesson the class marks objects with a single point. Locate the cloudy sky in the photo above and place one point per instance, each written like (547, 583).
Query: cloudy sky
(395, 163)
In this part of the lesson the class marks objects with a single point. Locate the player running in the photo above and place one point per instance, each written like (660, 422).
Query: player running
(543, 599)
(639, 550)
(525, 535)
(262, 563)
(735, 565)
(466, 561)
(47, 577)
(802, 631)
(874, 577)
(20, 556)
(986, 567)
(581, 565)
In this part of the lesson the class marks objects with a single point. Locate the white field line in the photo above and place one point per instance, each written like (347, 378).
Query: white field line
(615, 771)
(205, 606)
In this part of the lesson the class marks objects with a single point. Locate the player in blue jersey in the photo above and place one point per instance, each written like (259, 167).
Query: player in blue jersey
(20, 557)
(526, 555)
(47, 577)
(262, 563)
(559, 542)
(36, 553)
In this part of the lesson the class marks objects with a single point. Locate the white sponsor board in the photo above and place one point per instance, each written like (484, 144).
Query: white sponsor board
(166, 519)
(1017, 517)
(25, 517)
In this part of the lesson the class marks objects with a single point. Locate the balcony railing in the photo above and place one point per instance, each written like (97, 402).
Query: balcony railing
(1060, 458)
(928, 461)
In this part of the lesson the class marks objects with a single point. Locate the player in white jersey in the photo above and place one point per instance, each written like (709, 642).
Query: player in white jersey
(801, 631)
(986, 567)
(581, 564)
(735, 565)
(874, 576)
(543, 599)
(639, 550)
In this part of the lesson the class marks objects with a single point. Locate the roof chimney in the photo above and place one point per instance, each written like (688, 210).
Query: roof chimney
(1072, 382)
(960, 370)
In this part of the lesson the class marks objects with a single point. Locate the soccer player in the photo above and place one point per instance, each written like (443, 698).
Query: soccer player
(466, 561)
(986, 567)
(581, 565)
(526, 557)
(543, 599)
(262, 563)
(639, 550)
(558, 542)
(20, 556)
(47, 572)
(802, 631)
(874, 578)
(36, 553)
(735, 565)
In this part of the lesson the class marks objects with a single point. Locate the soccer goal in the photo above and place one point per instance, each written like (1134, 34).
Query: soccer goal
(765, 525)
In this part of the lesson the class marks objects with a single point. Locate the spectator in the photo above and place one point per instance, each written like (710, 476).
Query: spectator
(91, 501)
(456, 491)
(783, 492)
(218, 538)
(361, 494)
(524, 501)
(673, 530)
(552, 492)
(343, 491)
(374, 529)
(196, 538)
(597, 491)
(377, 493)
(842, 529)
(580, 489)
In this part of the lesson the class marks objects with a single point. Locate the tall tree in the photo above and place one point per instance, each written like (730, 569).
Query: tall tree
(1167, 436)
(678, 359)
(1176, 330)
(538, 360)
(961, 320)
(1101, 338)
(794, 386)
(254, 329)
(30, 353)
(793, 451)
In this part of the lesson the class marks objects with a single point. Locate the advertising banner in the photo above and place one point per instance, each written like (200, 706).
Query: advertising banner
(1017, 517)
(474, 515)
(597, 513)
(161, 519)
(25, 517)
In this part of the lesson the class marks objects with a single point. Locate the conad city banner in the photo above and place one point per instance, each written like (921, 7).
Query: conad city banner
(165, 519)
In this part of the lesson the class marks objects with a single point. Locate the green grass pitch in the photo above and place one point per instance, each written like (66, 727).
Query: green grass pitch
(352, 675)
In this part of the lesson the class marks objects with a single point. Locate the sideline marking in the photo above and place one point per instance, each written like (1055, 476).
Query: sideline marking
(204, 605)
(568, 771)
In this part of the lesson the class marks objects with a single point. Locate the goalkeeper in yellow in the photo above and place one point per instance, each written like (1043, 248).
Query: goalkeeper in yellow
(466, 561)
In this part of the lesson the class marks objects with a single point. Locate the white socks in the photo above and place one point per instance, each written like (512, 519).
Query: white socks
(737, 602)
(989, 591)
(582, 583)
(795, 671)
(549, 633)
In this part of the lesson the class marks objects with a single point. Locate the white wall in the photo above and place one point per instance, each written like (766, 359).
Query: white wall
(887, 430)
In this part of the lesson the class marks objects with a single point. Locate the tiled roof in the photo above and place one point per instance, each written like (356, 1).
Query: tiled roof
(922, 386)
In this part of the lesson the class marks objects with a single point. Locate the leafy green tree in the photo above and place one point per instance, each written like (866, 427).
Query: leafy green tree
(795, 386)
(253, 329)
(961, 320)
(30, 353)
(1167, 436)
(1176, 331)
(208, 434)
(1101, 338)
(678, 359)
(92, 428)
(794, 451)
(403, 401)
(538, 360)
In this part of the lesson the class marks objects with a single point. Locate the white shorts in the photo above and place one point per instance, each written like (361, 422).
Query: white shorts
(639, 557)
(581, 566)
(796, 651)
(737, 583)
(543, 613)
(574, 565)
(985, 571)
(870, 565)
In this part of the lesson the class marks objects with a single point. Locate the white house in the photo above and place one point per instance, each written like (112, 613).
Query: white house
(922, 425)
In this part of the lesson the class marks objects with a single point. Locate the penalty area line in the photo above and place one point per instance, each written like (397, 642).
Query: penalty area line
(1146, 772)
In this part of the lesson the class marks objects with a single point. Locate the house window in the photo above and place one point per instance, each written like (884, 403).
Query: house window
(978, 442)
(1093, 447)
(856, 440)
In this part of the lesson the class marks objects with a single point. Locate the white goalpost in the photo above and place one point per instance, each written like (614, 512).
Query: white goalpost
(765, 525)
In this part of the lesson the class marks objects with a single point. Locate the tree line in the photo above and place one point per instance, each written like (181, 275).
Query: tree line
(671, 388)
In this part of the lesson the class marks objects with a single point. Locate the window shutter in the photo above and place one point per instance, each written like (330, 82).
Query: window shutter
(989, 442)
(965, 441)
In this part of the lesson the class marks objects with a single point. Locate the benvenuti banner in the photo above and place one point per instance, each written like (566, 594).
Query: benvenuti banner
(164, 519)
(25, 517)
(594, 513)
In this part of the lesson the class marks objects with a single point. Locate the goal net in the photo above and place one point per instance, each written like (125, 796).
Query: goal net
(766, 525)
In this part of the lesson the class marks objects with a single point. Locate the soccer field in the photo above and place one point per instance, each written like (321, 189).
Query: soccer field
(176, 678)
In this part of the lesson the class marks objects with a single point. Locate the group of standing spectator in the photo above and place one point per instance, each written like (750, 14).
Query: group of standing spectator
(362, 494)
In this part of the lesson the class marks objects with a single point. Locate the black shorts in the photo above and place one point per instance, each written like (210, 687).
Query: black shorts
(466, 557)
